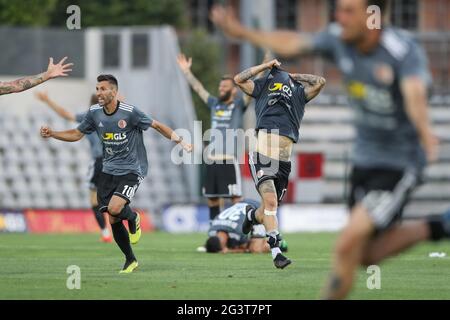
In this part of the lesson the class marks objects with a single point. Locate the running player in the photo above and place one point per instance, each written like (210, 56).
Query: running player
(95, 167)
(223, 176)
(53, 71)
(120, 126)
(226, 236)
(280, 104)
(386, 74)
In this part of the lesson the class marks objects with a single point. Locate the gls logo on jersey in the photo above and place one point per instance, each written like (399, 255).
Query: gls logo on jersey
(280, 87)
(114, 136)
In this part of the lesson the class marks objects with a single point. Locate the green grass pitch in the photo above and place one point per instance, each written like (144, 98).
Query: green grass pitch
(34, 267)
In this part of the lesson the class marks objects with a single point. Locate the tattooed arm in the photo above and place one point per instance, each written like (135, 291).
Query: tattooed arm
(267, 58)
(185, 66)
(53, 71)
(313, 84)
(23, 84)
(243, 79)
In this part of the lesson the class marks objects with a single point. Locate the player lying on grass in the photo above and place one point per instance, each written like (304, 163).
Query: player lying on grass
(226, 236)
(119, 126)
(53, 71)
(280, 104)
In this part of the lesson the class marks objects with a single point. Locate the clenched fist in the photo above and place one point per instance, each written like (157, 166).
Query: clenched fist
(46, 132)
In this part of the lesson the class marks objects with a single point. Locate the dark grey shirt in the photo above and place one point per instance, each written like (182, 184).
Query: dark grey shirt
(225, 117)
(230, 221)
(94, 141)
(385, 137)
(121, 134)
(280, 103)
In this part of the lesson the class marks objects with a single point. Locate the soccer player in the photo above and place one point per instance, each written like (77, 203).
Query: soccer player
(386, 74)
(53, 71)
(119, 126)
(96, 166)
(226, 236)
(223, 176)
(280, 105)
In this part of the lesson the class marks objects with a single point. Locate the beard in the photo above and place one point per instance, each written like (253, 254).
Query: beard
(106, 100)
(225, 97)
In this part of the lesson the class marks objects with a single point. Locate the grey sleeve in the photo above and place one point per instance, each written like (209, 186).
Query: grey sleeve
(79, 117)
(212, 101)
(324, 42)
(415, 63)
(259, 85)
(141, 120)
(302, 94)
(87, 125)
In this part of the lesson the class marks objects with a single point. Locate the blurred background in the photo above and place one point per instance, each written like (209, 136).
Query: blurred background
(43, 183)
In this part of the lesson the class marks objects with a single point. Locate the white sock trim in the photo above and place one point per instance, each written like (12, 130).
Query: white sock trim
(275, 251)
(270, 213)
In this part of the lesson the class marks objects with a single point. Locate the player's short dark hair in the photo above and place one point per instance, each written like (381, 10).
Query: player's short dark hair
(108, 77)
(228, 77)
(94, 99)
(213, 244)
(382, 4)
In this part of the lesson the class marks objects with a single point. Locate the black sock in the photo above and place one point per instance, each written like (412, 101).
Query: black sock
(213, 212)
(122, 239)
(437, 230)
(127, 213)
(100, 217)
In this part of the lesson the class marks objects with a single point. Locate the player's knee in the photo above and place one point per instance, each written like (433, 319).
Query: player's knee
(270, 202)
(213, 202)
(114, 209)
(254, 248)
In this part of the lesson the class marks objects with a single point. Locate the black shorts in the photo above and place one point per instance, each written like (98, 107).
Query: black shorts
(222, 180)
(123, 186)
(383, 192)
(95, 170)
(264, 168)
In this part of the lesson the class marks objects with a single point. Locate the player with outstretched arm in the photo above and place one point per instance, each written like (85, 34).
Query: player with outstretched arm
(119, 126)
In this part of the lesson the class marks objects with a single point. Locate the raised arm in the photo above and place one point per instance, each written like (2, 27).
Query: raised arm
(61, 111)
(415, 94)
(171, 135)
(243, 79)
(313, 84)
(53, 71)
(283, 43)
(68, 135)
(267, 58)
(185, 66)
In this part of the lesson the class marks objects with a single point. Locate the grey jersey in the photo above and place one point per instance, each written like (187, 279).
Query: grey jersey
(94, 141)
(385, 137)
(225, 117)
(280, 103)
(230, 221)
(121, 134)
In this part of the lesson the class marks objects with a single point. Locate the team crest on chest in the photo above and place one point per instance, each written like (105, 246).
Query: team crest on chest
(122, 124)
(384, 73)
